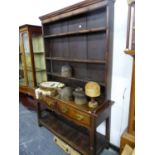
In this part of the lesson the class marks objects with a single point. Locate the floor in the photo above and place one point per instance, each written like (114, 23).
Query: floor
(36, 140)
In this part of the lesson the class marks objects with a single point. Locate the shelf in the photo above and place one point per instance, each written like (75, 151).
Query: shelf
(22, 82)
(21, 68)
(77, 60)
(36, 69)
(39, 69)
(30, 83)
(130, 52)
(73, 78)
(102, 29)
(71, 135)
(38, 52)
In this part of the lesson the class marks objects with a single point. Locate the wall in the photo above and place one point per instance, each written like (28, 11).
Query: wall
(122, 69)
(121, 62)
(121, 80)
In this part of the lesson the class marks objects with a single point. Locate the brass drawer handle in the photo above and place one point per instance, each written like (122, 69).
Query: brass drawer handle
(64, 110)
(79, 117)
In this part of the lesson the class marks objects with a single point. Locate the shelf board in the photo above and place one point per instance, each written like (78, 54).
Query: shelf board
(36, 69)
(71, 135)
(73, 78)
(76, 60)
(21, 68)
(130, 52)
(39, 69)
(101, 29)
(38, 52)
(22, 83)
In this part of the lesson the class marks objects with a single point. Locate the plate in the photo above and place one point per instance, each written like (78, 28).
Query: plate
(51, 85)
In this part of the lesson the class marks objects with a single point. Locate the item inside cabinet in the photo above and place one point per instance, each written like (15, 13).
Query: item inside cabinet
(92, 89)
(79, 96)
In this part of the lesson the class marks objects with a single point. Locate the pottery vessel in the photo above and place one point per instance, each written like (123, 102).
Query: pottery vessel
(65, 93)
(79, 96)
(66, 71)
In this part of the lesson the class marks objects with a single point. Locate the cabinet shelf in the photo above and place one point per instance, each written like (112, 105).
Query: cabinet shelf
(130, 52)
(38, 52)
(73, 78)
(36, 69)
(76, 60)
(21, 67)
(74, 137)
(95, 30)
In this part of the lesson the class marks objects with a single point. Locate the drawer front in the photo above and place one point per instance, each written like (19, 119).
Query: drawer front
(80, 117)
(48, 101)
(64, 109)
(74, 114)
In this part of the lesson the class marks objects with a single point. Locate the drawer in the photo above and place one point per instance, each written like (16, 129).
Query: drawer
(48, 101)
(64, 109)
(81, 117)
(76, 115)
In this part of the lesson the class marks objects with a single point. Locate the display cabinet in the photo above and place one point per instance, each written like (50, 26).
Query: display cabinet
(32, 68)
(79, 36)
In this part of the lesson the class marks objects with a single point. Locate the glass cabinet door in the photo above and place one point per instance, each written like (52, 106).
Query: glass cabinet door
(22, 75)
(39, 60)
(28, 62)
(31, 60)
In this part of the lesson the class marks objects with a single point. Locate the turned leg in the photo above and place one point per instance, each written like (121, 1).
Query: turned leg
(108, 124)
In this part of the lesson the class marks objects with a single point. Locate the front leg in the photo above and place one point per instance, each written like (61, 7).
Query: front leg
(92, 140)
(108, 124)
(39, 113)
